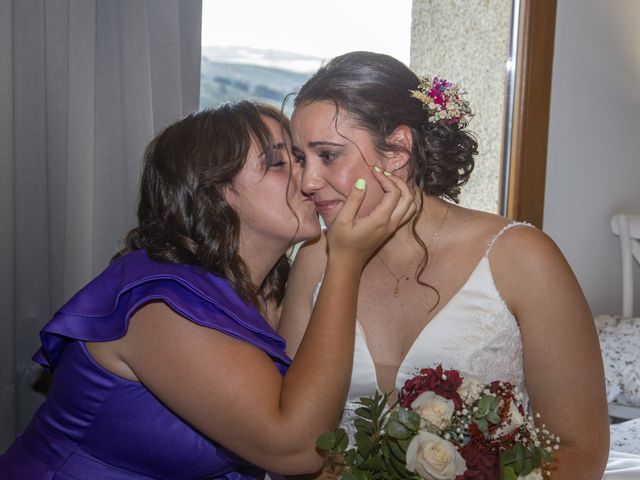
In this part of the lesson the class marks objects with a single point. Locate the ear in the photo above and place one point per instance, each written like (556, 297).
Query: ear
(401, 142)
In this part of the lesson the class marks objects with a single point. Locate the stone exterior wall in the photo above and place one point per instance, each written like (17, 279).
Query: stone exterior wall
(467, 42)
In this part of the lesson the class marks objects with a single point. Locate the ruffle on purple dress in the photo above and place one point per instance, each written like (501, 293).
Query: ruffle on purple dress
(97, 425)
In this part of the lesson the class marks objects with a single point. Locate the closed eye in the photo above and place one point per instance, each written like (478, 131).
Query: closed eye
(299, 157)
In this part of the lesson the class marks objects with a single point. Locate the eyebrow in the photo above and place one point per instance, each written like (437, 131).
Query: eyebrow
(322, 143)
(296, 148)
(275, 146)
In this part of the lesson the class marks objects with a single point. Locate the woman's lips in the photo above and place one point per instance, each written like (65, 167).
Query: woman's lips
(325, 206)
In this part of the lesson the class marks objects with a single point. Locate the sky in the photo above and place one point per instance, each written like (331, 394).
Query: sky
(322, 29)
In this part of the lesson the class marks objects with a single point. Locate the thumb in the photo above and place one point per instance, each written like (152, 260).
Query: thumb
(353, 202)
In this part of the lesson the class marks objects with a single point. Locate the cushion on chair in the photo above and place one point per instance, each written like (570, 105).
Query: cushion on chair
(625, 437)
(620, 345)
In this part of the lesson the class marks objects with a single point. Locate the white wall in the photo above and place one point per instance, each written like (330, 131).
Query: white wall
(593, 165)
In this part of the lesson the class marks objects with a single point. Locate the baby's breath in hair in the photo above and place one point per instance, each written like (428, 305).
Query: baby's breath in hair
(443, 101)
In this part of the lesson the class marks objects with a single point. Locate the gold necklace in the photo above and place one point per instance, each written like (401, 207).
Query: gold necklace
(396, 289)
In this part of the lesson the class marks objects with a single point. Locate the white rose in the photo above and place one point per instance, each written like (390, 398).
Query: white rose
(534, 475)
(516, 418)
(434, 408)
(470, 389)
(434, 458)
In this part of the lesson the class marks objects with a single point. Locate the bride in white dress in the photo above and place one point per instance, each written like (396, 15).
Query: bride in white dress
(455, 286)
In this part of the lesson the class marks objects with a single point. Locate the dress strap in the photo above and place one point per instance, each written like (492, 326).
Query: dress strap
(504, 229)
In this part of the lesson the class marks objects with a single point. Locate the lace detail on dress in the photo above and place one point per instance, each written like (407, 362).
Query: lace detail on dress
(492, 348)
(347, 421)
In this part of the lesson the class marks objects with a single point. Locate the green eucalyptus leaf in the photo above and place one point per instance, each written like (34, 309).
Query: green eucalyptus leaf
(396, 449)
(367, 402)
(350, 457)
(528, 467)
(363, 412)
(373, 463)
(396, 429)
(361, 474)
(519, 449)
(397, 467)
(342, 440)
(519, 463)
(494, 418)
(385, 449)
(349, 476)
(537, 457)
(363, 425)
(326, 441)
(482, 424)
(507, 474)
(507, 457)
(409, 419)
(485, 402)
(363, 442)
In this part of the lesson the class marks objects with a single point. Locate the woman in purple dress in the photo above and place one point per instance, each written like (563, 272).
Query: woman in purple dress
(164, 365)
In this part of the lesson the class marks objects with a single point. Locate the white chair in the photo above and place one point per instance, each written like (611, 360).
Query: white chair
(627, 227)
(620, 335)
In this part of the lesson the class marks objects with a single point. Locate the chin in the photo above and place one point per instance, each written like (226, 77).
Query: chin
(309, 234)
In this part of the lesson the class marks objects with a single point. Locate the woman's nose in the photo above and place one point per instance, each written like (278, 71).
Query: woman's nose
(311, 180)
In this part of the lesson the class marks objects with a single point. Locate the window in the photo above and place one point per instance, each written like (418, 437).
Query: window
(266, 50)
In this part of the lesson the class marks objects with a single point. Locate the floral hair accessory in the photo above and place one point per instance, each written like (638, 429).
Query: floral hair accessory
(443, 101)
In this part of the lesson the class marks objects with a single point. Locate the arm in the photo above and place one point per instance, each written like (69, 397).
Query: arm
(232, 392)
(306, 273)
(562, 361)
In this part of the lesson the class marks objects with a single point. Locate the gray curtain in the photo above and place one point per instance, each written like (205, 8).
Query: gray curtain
(84, 84)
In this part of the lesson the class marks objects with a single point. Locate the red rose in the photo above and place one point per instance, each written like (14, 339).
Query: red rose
(483, 462)
(439, 381)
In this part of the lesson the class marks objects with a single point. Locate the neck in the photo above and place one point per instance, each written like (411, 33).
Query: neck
(430, 221)
(260, 256)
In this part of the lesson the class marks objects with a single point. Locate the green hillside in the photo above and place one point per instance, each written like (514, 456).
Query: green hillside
(224, 82)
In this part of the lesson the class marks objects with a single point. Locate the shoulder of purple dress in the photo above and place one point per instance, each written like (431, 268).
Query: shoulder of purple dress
(101, 310)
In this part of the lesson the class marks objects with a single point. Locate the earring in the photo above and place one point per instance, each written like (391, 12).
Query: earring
(397, 166)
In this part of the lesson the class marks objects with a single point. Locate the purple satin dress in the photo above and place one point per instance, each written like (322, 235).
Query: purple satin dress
(96, 425)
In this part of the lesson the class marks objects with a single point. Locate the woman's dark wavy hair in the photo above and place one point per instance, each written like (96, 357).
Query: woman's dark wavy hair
(374, 89)
(183, 215)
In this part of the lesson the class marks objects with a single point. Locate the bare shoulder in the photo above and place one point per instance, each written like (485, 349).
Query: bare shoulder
(528, 266)
(526, 249)
(514, 241)
(473, 226)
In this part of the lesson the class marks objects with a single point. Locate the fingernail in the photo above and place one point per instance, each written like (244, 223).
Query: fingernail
(388, 174)
(361, 183)
(377, 169)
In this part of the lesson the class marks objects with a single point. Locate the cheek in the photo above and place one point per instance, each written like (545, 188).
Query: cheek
(342, 178)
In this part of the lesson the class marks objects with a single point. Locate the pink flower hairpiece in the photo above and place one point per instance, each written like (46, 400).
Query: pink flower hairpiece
(443, 101)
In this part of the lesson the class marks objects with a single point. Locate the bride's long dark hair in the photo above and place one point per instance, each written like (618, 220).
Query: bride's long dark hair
(183, 215)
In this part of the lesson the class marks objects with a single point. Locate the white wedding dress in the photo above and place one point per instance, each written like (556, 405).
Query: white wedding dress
(475, 333)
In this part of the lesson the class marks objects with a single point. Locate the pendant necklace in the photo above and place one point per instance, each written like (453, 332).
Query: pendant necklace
(396, 289)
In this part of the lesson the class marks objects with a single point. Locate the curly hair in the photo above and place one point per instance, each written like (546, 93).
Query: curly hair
(183, 215)
(374, 90)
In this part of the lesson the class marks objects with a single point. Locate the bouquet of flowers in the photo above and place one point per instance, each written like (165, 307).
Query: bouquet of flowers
(445, 426)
